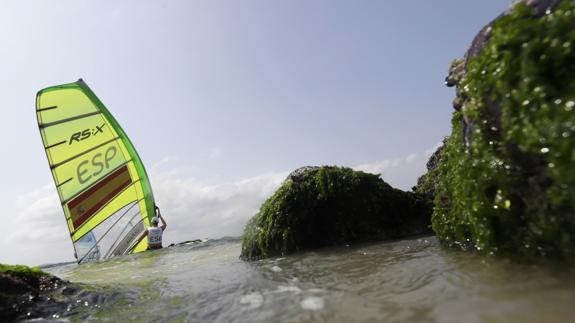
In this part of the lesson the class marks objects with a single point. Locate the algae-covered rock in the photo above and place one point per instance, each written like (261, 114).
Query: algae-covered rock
(427, 183)
(20, 288)
(29, 293)
(506, 176)
(324, 206)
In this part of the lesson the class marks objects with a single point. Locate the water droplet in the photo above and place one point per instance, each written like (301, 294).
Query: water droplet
(544, 150)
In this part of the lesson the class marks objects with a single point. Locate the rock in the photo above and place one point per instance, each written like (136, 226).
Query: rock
(324, 206)
(458, 68)
(29, 293)
(505, 180)
(299, 175)
(427, 183)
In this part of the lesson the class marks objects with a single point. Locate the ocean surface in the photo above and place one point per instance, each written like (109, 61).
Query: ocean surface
(412, 280)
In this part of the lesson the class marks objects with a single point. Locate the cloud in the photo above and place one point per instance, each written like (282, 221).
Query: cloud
(400, 172)
(39, 210)
(38, 232)
(374, 168)
(380, 167)
(194, 209)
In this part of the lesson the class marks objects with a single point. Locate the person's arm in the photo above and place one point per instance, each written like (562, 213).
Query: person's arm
(139, 240)
(164, 224)
(143, 236)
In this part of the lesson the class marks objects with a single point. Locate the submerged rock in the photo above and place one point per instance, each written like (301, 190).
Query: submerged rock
(506, 176)
(323, 206)
(28, 293)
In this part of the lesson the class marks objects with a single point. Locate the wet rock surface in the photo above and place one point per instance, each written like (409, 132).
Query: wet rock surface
(28, 293)
(505, 180)
(324, 206)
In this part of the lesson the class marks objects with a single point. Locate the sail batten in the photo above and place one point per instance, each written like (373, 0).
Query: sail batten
(54, 123)
(98, 174)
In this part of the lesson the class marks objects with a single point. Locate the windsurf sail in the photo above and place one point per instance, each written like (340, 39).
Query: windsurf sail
(102, 184)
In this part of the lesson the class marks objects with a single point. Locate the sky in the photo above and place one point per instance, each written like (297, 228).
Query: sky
(223, 99)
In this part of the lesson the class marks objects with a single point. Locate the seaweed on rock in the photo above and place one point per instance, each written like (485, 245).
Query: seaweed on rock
(506, 176)
(323, 206)
(29, 293)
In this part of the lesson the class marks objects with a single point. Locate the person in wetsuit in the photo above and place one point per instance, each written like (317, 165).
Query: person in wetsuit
(154, 232)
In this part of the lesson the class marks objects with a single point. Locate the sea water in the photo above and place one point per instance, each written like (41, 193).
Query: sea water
(413, 280)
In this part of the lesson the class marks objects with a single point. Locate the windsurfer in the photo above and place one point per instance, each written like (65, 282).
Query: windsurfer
(154, 232)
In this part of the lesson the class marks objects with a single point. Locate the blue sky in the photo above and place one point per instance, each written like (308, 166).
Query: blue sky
(223, 98)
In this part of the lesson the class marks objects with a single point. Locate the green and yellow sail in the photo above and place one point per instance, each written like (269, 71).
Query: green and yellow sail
(101, 181)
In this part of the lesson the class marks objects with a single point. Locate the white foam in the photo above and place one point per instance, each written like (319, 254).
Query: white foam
(312, 303)
(252, 301)
(293, 289)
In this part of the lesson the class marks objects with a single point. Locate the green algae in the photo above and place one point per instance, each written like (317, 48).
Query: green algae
(512, 189)
(23, 272)
(329, 206)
